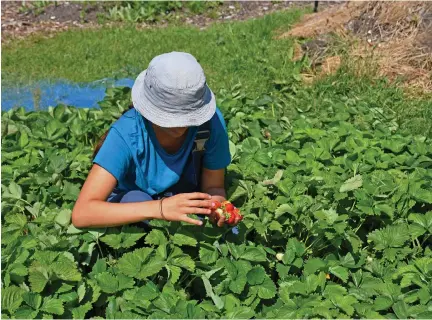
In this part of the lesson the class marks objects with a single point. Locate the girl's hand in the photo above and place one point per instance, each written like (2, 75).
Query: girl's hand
(177, 208)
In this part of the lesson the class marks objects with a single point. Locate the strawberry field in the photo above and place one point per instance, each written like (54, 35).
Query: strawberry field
(337, 205)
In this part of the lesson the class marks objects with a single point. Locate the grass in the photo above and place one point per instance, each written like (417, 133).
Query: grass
(231, 53)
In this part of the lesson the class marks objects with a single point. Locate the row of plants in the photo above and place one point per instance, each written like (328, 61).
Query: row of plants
(337, 205)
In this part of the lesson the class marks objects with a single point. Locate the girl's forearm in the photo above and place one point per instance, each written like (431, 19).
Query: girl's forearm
(97, 213)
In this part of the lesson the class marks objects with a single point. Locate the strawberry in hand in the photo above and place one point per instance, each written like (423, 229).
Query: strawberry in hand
(227, 212)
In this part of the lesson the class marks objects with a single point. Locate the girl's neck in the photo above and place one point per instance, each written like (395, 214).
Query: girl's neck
(169, 143)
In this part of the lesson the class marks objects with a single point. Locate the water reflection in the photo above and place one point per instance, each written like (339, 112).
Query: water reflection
(42, 95)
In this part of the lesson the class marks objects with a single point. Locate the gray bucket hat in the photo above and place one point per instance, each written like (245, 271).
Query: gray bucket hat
(172, 92)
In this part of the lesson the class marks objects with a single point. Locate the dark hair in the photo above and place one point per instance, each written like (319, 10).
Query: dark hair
(103, 137)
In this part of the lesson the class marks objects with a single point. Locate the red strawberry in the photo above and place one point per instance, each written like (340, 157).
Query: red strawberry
(236, 211)
(216, 204)
(229, 207)
(230, 218)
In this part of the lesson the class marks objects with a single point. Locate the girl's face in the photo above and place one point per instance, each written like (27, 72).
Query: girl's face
(174, 132)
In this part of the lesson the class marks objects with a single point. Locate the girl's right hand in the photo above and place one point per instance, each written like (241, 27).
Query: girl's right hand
(177, 207)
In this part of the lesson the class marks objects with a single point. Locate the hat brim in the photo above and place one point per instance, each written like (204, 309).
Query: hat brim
(166, 119)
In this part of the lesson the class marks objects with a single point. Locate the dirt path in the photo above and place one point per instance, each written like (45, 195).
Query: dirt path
(18, 23)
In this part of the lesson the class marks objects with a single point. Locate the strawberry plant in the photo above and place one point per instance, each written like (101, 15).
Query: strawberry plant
(337, 220)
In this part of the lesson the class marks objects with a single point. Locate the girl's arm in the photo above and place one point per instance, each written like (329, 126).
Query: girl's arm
(92, 209)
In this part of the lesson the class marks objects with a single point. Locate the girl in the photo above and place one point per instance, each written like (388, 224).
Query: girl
(164, 158)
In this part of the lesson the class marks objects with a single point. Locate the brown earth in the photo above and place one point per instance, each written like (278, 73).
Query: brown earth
(397, 36)
(18, 23)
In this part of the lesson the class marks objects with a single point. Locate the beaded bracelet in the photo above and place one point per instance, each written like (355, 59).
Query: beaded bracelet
(160, 208)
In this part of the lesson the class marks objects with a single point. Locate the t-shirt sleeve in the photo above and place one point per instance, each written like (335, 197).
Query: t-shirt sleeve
(217, 155)
(114, 155)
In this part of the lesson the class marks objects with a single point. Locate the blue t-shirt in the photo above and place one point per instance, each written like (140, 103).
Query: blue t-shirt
(133, 155)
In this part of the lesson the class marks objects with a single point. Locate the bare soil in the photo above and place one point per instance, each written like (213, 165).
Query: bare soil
(18, 24)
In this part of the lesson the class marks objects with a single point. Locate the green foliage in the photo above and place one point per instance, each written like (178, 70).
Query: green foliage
(337, 223)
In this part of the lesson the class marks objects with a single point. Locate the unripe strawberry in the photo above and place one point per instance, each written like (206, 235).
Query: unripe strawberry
(279, 256)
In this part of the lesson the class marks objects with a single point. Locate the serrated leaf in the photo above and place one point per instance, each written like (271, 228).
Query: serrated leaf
(267, 289)
(174, 273)
(81, 292)
(53, 306)
(63, 218)
(182, 239)
(237, 285)
(150, 268)
(256, 275)
(148, 292)
(12, 297)
(184, 261)
(208, 255)
(38, 277)
(240, 313)
(382, 303)
(340, 272)
(156, 237)
(81, 311)
(113, 240)
(124, 282)
(34, 300)
(131, 263)
(66, 270)
(352, 184)
(24, 312)
(107, 282)
(15, 190)
(313, 265)
(253, 254)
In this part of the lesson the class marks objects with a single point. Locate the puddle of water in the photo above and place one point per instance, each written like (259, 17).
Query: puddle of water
(41, 95)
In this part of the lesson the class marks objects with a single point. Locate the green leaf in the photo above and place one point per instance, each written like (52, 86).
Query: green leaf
(15, 190)
(267, 289)
(156, 237)
(63, 218)
(131, 263)
(113, 240)
(240, 313)
(340, 272)
(382, 303)
(345, 303)
(237, 285)
(174, 272)
(313, 265)
(256, 275)
(24, 313)
(184, 261)
(352, 184)
(38, 277)
(400, 308)
(12, 297)
(81, 292)
(209, 290)
(208, 255)
(150, 268)
(34, 300)
(124, 282)
(183, 239)
(81, 311)
(53, 306)
(66, 270)
(149, 292)
(253, 254)
(107, 282)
